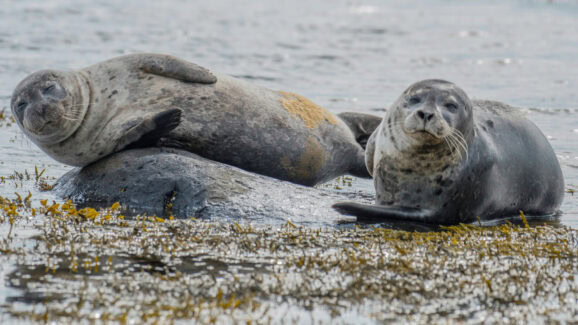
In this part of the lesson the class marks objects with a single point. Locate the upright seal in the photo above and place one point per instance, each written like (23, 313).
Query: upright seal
(439, 158)
(147, 100)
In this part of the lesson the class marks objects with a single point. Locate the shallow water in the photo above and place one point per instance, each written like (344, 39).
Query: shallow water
(345, 55)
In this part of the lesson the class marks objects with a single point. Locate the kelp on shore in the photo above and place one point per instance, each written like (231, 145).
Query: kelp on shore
(82, 264)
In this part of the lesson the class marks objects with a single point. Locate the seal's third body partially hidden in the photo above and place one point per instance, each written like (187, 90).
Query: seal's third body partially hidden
(146, 100)
(439, 158)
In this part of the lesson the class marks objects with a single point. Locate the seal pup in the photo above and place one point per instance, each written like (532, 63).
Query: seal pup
(147, 100)
(438, 158)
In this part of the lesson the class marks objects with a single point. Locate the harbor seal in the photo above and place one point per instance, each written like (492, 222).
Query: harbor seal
(172, 182)
(438, 157)
(148, 100)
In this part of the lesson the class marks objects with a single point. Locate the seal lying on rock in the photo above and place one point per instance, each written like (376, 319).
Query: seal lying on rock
(439, 158)
(146, 100)
(166, 181)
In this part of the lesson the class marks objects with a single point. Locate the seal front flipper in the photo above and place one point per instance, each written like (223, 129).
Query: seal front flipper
(148, 131)
(376, 213)
(172, 67)
(361, 125)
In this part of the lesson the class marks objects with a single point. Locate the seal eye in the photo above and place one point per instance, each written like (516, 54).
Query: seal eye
(414, 100)
(21, 106)
(48, 88)
(451, 106)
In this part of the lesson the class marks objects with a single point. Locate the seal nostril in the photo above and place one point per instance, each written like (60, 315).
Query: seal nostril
(424, 116)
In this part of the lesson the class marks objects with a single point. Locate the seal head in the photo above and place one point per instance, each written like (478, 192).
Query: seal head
(431, 120)
(434, 110)
(49, 105)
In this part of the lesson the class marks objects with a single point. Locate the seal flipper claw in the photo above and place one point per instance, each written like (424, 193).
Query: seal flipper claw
(172, 67)
(148, 132)
(377, 213)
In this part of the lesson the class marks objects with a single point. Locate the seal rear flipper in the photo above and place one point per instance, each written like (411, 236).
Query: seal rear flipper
(361, 125)
(363, 163)
(149, 131)
(376, 213)
(172, 67)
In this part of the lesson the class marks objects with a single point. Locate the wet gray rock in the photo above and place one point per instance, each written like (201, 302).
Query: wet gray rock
(167, 182)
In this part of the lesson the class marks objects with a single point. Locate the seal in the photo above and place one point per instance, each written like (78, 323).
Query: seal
(439, 158)
(172, 182)
(148, 100)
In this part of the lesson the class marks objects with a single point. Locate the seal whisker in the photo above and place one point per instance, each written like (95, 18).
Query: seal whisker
(69, 118)
(75, 106)
(456, 149)
(72, 115)
(449, 145)
(461, 141)
(458, 146)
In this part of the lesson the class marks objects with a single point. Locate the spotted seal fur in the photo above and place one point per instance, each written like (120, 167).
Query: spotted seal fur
(151, 100)
(438, 157)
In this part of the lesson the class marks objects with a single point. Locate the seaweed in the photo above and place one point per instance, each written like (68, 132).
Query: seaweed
(98, 265)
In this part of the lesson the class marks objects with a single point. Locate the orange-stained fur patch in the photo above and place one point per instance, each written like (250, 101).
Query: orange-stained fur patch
(311, 113)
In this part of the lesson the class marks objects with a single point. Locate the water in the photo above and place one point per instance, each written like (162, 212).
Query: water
(345, 55)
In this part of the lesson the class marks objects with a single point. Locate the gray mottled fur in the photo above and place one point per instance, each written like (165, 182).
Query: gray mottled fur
(223, 119)
(147, 180)
(509, 165)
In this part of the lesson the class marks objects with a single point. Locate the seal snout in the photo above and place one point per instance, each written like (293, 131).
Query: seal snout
(425, 122)
(425, 116)
(40, 115)
(431, 109)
